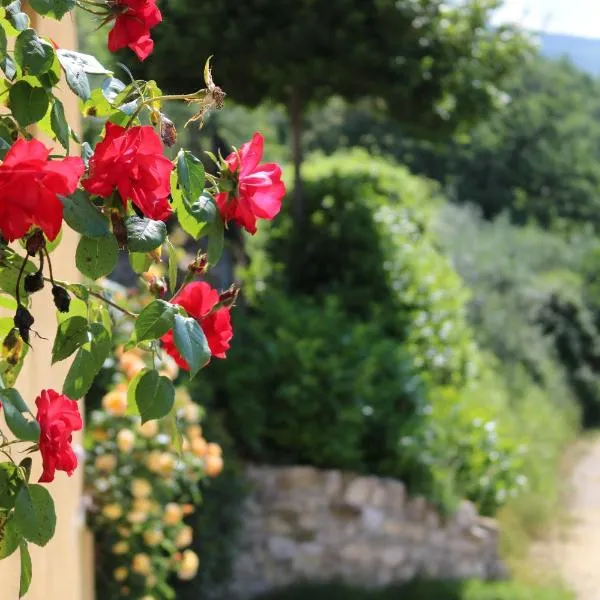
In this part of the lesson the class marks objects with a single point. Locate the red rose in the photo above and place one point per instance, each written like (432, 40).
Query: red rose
(132, 161)
(134, 19)
(199, 299)
(258, 188)
(29, 189)
(58, 417)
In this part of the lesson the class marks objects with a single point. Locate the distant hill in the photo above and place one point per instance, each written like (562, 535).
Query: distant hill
(583, 52)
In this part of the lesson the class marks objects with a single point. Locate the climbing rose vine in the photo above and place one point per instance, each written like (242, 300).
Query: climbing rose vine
(118, 196)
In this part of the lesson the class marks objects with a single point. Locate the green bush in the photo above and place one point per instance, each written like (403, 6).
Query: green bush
(365, 360)
(422, 590)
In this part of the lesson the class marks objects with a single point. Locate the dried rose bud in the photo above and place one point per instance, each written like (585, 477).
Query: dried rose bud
(62, 300)
(23, 321)
(35, 242)
(34, 282)
(200, 264)
(227, 298)
(168, 132)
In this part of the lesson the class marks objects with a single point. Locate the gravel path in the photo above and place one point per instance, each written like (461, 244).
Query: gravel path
(575, 554)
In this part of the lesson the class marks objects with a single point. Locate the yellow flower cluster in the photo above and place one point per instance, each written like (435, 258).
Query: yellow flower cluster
(143, 484)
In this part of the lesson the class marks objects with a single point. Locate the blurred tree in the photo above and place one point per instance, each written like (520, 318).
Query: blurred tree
(434, 64)
(537, 157)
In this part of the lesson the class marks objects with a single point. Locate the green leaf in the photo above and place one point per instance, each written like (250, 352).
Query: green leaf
(70, 335)
(176, 435)
(8, 303)
(172, 267)
(154, 321)
(75, 74)
(9, 67)
(190, 172)
(216, 241)
(53, 8)
(9, 537)
(10, 482)
(10, 274)
(154, 396)
(15, 410)
(132, 408)
(26, 570)
(16, 17)
(3, 43)
(28, 104)
(86, 62)
(83, 217)
(88, 362)
(33, 54)
(191, 343)
(59, 124)
(139, 261)
(187, 220)
(96, 257)
(144, 235)
(34, 514)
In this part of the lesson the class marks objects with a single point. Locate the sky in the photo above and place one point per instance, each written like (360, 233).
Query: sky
(575, 17)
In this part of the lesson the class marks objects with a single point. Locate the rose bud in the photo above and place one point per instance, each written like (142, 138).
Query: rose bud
(62, 300)
(168, 132)
(33, 282)
(227, 298)
(23, 321)
(199, 265)
(35, 242)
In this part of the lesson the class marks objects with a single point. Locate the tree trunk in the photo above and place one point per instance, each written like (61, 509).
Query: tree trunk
(295, 109)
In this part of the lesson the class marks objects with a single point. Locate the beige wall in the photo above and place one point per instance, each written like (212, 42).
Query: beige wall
(61, 570)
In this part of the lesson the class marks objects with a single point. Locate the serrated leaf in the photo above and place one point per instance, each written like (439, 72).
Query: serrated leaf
(83, 217)
(154, 321)
(26, 570)
(191, 343)
(88, 362)
(10, 537)
(190, 173)
(53, 8)
(173, 271)
(86, 152)
(10, 274)
(96, 257)
(144, 235)
(154, 396)
(28, 104)
(70, 335)
(15, 410)
(59, 124)
(86, 62)
(35, 517)
(33, 53)
(10, 482)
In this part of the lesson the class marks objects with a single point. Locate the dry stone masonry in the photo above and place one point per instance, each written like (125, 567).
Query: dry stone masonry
(302, 523)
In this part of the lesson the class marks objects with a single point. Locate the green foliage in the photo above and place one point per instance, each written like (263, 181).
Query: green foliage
(531, 306)
(330, 392)
(536, 156)
(275, 47)
(372, 364)
(422, 590)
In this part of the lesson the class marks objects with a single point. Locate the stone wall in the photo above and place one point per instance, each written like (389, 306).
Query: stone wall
(302, 523)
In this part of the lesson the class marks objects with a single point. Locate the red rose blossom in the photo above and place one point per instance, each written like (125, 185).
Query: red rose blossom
(132, 161)
(198, 299)
(58, 417)
(29, 189)
(134, 19)
(258, 191)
